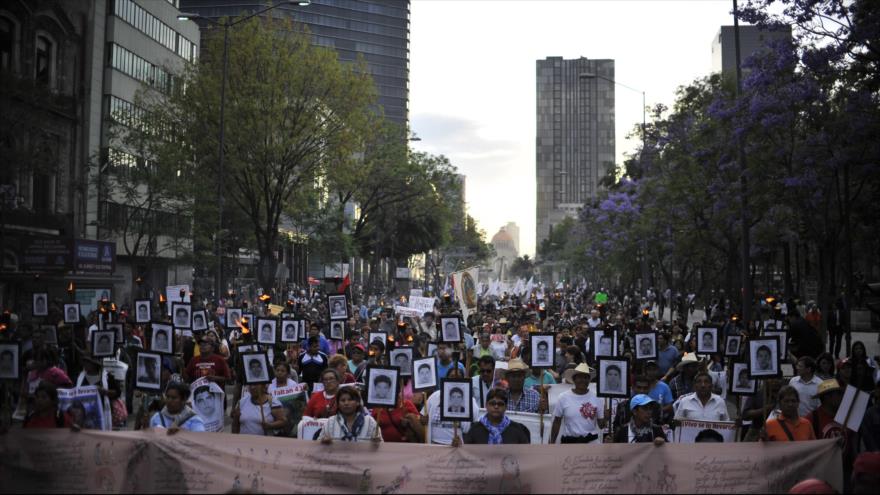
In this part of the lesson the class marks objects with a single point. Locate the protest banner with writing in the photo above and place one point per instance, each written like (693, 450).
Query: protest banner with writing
(421, 304)
(415, 293)
(58, 460)
(405, 311)
(309, 428)
(687, 430)
(92, 406)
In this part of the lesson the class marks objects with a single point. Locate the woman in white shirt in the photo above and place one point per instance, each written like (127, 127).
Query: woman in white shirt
(584, 413)
(257, 414)
(351, 423)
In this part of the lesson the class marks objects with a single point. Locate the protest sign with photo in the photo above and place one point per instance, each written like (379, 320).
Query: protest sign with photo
(85, 404)
(207, 402)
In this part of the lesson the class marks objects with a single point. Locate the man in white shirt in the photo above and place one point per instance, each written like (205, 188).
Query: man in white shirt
(594, 321)
(702, 404)
(807, 385)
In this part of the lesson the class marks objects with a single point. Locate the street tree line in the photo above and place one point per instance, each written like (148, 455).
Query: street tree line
(808, 117)
(304, 137)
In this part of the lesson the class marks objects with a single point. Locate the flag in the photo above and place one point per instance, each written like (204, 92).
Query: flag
(530, 286)
(465, 285)
(344, 285)
(446, 286)
(519, 287)
(560, 286)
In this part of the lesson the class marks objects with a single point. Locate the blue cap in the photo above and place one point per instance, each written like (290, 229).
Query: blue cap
(639, 400)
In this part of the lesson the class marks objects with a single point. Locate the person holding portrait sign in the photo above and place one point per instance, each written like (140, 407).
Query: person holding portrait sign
(442, 428)
(175, 414)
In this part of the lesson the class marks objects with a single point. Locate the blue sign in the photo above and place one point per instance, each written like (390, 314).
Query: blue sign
(94, 256)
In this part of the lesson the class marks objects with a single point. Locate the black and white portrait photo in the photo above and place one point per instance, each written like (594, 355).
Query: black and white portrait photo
(289, 330)
(782, 335)
(117, 329)
(199, 320)
(41, 304)
(732, 345)
(162, 338)
(543, 350)
(71, 313)
(740, 381)
(149, 371)
(256, 367)
(337, 330)
(646, 345)
(707, 340)
(50, 334)
(380, 336)
(182, 314)
(382, 385)
(266, 331)
(103, 343)
(455, 400)
(604, 343)
(402, 357)
(9, 356)
(233, 317)
(424, 373)
(338, 307)
(143, 311)
(764, 357)
(207, 402)
(613, 378)
(449, 329)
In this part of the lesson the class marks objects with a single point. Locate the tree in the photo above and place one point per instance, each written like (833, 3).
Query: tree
(522, 267)
(292, 110)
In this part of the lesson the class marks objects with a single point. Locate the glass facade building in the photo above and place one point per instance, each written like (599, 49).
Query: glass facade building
(574, 145)
(378, 30)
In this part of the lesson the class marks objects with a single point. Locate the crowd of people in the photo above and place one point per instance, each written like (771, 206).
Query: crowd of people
(320, 374)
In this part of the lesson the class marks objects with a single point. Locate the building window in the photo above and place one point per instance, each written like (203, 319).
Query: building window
(7, 44)
(44, 60)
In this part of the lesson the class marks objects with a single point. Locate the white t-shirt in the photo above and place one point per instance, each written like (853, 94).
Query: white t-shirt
(579, 413)
(441, 431)
(499, 350)
(251, 419)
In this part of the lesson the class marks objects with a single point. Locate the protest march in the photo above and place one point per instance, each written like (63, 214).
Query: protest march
(135, 389)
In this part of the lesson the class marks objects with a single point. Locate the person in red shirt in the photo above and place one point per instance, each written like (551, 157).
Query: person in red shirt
(46, 414)
(400, 424)
(207, 364)
(322, 404)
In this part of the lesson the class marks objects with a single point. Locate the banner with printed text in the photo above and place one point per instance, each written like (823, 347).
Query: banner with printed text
(53, 461)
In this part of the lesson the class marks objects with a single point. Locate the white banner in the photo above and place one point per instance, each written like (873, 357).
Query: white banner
(687, 430)
(421, 304)
(404, 311)
(415, 293)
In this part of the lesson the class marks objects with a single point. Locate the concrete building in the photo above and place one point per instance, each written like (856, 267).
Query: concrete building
(752, 39)
(512, 229)
(575, 136)
(505, 253)
(377, 30)
(80, 63)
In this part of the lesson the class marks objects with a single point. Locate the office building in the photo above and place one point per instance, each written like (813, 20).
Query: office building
(377, 30)
(574, 145)
(752, 39)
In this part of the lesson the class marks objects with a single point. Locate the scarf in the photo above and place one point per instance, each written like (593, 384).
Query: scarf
(351, 436)
(495, 431)
(180, 418)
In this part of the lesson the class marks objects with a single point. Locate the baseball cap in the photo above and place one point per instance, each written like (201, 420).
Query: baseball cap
(639, 400)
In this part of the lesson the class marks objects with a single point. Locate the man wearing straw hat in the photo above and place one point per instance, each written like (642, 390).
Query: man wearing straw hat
(683, 383)
(521, 399)
(829, 394)
(583, 411)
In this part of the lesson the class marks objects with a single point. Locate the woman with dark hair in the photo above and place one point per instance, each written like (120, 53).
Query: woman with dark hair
(351, 423)
(863, 368)
(322, 404)
(45, 413)
(258, 413)
(825, 366)
(176, 415)
(495, 428)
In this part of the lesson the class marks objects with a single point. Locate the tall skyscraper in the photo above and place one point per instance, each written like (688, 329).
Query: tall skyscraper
(752, 39)
(574, 145)
(378, 30)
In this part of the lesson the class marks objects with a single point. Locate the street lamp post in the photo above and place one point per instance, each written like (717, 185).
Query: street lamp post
(185, 16)
(642, 243)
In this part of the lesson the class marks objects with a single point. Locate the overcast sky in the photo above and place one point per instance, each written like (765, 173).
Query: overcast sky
(472, 81)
